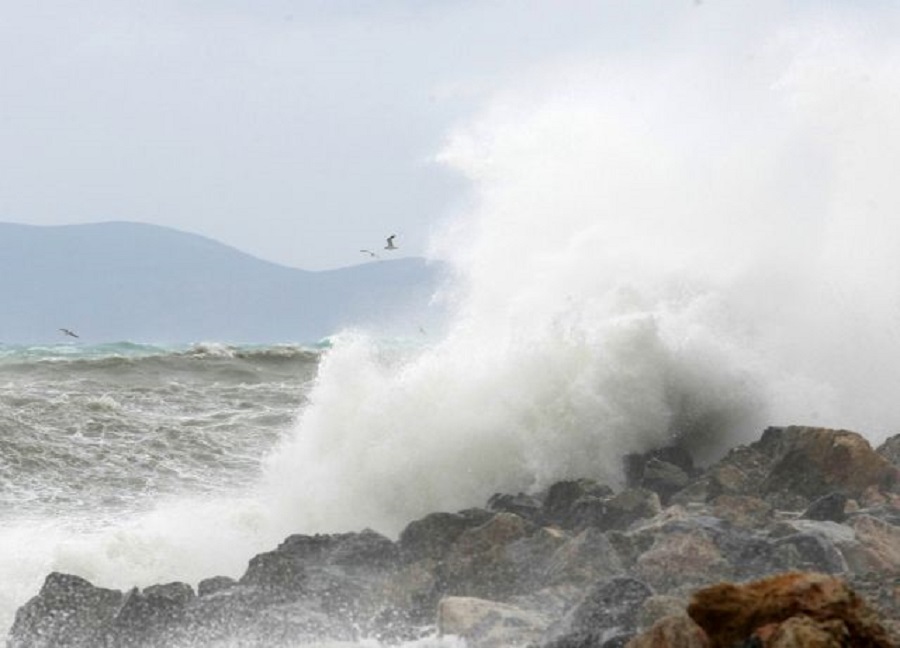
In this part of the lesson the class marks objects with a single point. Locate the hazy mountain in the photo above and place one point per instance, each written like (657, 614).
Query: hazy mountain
(129, 281)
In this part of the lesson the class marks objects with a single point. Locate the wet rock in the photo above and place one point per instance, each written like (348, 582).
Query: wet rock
(742, 511)
(68, 611)
(579, 559)
(810, 552)
(878, 546)
(288, 567)
(636, 464)
(562, 496)
(828, 507)
(663, 478)
(488, 624)
(523, 505)
(658, 607)
(813, 462)
(682, 557)
(890, 450)
(586, 558)
(479, 565)
(677, 631)
(145, 614)
(606, 615)
(732, 614)
(614, 512)
(433, 535)
(740, 472)
(214, 584)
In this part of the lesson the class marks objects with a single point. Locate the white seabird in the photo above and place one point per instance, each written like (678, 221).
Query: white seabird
(390, 242)
(66, 331)
(370, 253)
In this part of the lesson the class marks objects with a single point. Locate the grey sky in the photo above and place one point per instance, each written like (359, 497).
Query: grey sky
(298, 131)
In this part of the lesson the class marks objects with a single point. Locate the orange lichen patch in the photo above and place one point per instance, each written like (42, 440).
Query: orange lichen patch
(816, 604)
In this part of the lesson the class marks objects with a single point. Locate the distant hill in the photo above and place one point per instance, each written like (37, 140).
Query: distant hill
(129, 281)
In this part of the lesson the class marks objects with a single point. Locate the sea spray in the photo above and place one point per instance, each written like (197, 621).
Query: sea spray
(671, 247)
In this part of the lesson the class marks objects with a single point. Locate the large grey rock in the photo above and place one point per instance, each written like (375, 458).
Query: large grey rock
(489, 624)
(562, 496)
(433, 535)
(607, 613)
(68, 611)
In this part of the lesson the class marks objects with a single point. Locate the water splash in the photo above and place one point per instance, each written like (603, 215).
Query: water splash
(682, 245)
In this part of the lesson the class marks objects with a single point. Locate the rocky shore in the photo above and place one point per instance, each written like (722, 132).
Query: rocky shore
(793, 540)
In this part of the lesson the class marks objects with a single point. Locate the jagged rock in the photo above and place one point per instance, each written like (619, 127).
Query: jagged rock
(813, 462)
(636, 464)
(560, 498)
(413, 591)
(525, 506)
(682, 557)
(214, 584)
(68, 611)
(828, 507)
(583, 559)
(660, 606)
(677, 631)
(740, 472)
(288, 568)
(488, 624)
(730, 614)
(663, 478)
(615, 512)
(479, 564)
(608, 613)
(810, 552)
(742, 511)
(433, 535)
(148, 613)
(890, 449)
(878, 548)
(578, 574)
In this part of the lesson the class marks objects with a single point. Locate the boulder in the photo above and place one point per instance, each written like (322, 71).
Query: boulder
(478, 564)
(614, 512)
(890, 450)
(732, 615)
(488, 624)
(829, 507)
(147, 614)
(584, 559)
(561, 497)
(214, 584)
(682, 558)
(607, 615)
(677, 631)
(525, 506)
(663, 478)
(433, 535)
(743, 511)
(813, 462)
(877, 548)
(68, 611)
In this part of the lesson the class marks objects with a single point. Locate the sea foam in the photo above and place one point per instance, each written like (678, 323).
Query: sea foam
(684, 244)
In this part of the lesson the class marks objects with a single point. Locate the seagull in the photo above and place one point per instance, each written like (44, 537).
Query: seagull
(66, 331)
(390, 242)
(370, 253)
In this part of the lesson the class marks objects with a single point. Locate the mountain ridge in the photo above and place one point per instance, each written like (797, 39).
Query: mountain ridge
(122, 280)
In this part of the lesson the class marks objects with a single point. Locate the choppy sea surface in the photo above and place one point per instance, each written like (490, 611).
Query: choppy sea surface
(111, 454)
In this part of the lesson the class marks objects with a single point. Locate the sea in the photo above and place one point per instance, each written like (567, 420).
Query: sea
(684, 243)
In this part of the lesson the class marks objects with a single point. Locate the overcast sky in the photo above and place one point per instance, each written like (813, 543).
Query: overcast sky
(299, 131)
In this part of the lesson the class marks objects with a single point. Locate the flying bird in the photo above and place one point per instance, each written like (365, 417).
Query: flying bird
(390, 242)
(370, 253)
(66, 331)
